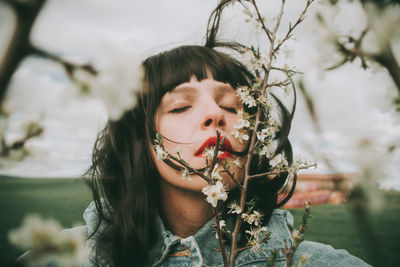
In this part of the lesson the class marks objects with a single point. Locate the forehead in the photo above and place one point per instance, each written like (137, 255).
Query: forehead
(204, 86)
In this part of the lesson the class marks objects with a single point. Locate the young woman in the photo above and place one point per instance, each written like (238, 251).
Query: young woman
(145, 214)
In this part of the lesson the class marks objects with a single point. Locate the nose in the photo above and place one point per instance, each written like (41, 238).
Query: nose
(214, 118)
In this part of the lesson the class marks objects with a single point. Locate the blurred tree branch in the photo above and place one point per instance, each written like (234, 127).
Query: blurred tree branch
(20, 46)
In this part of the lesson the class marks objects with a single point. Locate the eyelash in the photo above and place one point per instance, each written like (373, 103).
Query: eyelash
(229, 109)
(182, 109)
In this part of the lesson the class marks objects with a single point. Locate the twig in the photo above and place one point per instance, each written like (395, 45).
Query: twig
(19, 46)
(291, 28)
(219, 233)
(232, 176)
(261, 21)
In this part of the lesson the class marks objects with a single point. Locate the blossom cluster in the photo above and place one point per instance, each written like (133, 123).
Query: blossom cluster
(44, 238)
(115, 83)
(243, 126)
(215, 192)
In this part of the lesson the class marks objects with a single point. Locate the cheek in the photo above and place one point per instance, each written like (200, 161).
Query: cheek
(175, 128)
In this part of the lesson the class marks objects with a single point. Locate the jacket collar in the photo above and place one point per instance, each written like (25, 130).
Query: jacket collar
(205, 240)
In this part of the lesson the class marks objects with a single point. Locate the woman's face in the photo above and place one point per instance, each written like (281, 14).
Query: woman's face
(189, 117)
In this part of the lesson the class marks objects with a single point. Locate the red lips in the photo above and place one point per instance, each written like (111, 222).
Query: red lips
(212, 142)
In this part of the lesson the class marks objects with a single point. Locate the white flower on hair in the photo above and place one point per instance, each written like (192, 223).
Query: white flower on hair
(161, 153)
(278, 161)
(234, 208)
(186, 175)
(215, 193)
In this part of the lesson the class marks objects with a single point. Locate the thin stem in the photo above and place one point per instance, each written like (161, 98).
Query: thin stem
(238, 222)
(221, 241)
(291, 28)
(261, 21)
(232, 176)
(187, 166)
(277, 172)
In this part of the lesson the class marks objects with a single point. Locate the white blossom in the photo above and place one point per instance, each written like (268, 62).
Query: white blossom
(384, 24)
(255, 218)
(237, 162)
(250, 101)
(241, 123)
(268, 132)
(257, 232)
(254, 246)
(244, 93)
(240, 135)
(118, 79)
(209, 152)
(44, 237)
(234, 208)
(161, 153)
(278, 161)
(215, 193)
(267, 150)
(222, 224)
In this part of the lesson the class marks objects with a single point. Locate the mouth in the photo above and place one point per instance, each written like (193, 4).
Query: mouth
(224, 150)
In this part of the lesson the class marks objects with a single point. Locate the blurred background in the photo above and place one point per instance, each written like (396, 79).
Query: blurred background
(357, 121)
(353, 105)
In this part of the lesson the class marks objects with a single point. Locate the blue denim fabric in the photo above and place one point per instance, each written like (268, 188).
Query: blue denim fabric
(200, 249)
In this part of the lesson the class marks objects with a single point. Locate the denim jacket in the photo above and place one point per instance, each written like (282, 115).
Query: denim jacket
(200, 249)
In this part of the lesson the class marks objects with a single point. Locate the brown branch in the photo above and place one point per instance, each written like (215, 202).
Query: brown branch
(291, 28)
(238, 222)
(280, 171)
(19, 46)
(221, 241)
(388, 60)
(186, 165)
(232, 176)
(261, 21)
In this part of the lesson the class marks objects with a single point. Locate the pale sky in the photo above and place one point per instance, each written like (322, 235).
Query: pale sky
(352, 104)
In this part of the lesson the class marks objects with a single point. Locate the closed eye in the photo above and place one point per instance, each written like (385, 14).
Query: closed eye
(180, 110)
(229, 109)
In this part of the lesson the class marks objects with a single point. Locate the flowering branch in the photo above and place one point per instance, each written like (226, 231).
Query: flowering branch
(260, 129)
(297, 235)
(219, 234)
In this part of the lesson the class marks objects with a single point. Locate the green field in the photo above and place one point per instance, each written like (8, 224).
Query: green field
(66, 199)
